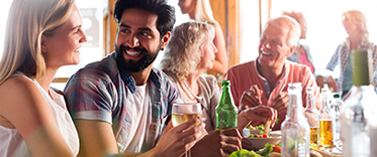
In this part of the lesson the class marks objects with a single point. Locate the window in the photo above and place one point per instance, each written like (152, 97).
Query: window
(249, 18)
(92, 50)
(4, 8)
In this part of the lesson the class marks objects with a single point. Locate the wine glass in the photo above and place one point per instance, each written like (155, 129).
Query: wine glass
(183, 112)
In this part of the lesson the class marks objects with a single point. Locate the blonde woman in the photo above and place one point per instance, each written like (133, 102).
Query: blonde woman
(354, 23)
(42, 35)
(189, 53)
(200, 10)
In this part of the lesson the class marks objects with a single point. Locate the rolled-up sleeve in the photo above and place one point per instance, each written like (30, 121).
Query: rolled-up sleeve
(88, 96)
(334, 59)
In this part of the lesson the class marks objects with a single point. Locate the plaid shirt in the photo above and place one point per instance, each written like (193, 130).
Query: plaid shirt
(102, 92)
(342, 53)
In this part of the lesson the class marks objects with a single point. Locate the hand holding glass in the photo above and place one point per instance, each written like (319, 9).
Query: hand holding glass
(183, 112)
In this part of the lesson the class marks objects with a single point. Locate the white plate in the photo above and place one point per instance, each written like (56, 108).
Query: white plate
(259, 143)
(276, 133)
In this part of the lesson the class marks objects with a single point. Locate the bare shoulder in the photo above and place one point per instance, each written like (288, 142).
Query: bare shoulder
(15, 87)
(216, 25)
(18, 94)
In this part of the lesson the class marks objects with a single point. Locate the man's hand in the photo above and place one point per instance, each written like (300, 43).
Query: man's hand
(331, 83)
(175, 141)
(218, 143)
(280, 103)
(258, 113)
(329, 80)
(251, 98)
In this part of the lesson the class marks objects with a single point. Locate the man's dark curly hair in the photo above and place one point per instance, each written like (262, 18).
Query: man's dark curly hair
(165, 12)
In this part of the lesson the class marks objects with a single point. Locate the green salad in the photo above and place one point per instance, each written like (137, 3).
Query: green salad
(261, 127)
(245, 153)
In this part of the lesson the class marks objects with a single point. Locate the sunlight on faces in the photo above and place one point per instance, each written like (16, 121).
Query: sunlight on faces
(138, 39)
(187, 6)
(273, 48)
(208, 51)
(62, 48)
(349, 26)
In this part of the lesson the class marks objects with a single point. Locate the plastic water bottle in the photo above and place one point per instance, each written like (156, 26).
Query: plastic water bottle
(336, 105)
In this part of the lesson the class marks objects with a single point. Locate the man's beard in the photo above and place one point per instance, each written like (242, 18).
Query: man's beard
(136, 66)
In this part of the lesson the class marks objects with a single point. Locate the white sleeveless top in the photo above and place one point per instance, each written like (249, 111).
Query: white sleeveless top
(11, 142)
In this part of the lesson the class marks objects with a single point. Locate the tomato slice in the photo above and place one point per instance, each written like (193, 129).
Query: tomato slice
(276, 149)
(265, 136)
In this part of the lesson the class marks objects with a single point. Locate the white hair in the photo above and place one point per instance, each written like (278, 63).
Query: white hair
(294, 31)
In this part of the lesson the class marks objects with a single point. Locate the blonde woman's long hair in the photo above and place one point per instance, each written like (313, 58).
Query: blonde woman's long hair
(203, 12)
(359, 19)
(28, 20)
(183, 53)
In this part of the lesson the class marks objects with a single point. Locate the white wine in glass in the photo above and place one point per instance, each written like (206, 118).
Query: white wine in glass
(183, 112)
(181, 118)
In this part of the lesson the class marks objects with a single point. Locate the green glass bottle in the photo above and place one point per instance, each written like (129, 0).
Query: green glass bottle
(226, 112)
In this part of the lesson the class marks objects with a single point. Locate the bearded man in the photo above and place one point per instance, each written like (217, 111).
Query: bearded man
(122, 104)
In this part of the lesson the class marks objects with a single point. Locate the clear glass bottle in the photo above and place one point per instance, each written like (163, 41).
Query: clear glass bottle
(326, 121)
(312, 115)
(295, 128)
(336, 105)
(358, 115)
(226, 112)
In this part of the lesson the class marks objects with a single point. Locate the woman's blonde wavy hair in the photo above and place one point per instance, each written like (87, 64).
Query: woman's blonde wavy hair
(203, 12)
(357, 18)
(183, 53)
(28, 20)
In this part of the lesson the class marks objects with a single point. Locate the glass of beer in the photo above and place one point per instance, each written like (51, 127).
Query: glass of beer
(183, 112)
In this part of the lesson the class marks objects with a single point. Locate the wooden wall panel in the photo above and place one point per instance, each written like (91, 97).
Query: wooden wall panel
(226, 12)
(113, 28)
(233, 36)
(219, 13)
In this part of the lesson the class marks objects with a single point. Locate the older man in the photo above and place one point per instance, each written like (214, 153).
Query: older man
(265, 80)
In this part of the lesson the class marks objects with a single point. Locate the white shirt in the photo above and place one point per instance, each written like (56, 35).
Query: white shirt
(13, 145)
(140, 96)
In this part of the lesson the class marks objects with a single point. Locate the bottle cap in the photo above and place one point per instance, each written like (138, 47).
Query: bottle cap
(336, 95)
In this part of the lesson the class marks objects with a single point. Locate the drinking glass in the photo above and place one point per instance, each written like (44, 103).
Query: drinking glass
(183, 112)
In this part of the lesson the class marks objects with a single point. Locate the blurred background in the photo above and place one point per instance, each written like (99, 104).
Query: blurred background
(241, 22)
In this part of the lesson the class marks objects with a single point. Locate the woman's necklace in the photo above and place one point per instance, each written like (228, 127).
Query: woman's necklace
(197, 97)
